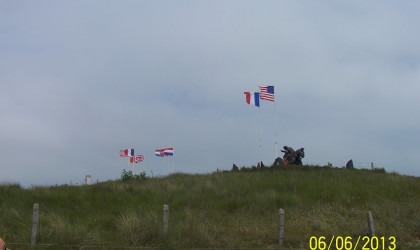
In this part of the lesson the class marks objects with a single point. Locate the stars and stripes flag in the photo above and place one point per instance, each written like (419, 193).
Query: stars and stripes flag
(267, 93)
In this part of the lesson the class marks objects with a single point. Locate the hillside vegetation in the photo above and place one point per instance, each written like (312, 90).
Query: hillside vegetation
(218, 210)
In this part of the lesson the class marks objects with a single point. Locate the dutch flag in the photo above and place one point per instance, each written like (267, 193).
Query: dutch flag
(159, 152)
(168, 151)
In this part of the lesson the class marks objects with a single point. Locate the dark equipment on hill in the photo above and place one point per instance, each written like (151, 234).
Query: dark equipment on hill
(292, 157)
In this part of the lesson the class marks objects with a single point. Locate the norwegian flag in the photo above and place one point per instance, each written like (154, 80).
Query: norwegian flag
(267, 93)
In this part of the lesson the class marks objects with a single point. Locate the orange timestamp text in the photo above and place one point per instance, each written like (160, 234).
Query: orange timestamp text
(348, 243)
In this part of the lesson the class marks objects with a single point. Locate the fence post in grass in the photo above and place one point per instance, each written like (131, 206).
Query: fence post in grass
(165, 218)
(34, 223)
(371, 225)
(281, 226)
(371, 165)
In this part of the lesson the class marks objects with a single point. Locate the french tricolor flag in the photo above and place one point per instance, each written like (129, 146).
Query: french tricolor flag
(253, 98)
(127, 152)
(168, 151)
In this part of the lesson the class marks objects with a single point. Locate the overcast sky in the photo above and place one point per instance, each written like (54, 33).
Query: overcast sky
(81, 80)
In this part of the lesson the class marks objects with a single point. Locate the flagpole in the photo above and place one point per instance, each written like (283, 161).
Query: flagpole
(275, 124)
(164, 164)
(168, 165)
(173, 164)
(259, 125)
(167, 168)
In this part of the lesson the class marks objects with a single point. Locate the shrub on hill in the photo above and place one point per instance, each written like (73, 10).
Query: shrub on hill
(129, 176)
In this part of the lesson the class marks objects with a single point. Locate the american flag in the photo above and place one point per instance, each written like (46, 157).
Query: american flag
(267, 93)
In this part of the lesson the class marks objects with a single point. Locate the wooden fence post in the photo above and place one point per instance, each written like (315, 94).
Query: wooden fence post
(281, 226)
(371, 225)
(165, 218)
(34, 224)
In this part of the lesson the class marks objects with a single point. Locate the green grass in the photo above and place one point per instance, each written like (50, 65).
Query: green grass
(219, 210)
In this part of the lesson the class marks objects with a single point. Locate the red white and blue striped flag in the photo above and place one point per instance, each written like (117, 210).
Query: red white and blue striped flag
(252, 98)
(168, 151)
(267, 93)
(159, 152)
(127, 152)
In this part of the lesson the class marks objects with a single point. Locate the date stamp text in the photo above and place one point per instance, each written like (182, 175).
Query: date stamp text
(349, 243)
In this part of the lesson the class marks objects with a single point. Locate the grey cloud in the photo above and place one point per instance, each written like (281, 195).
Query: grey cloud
(82, 80)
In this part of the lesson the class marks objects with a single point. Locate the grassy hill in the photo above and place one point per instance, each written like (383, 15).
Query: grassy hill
(218, 210)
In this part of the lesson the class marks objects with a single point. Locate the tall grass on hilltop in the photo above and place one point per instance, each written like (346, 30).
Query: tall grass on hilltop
(218, 210)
